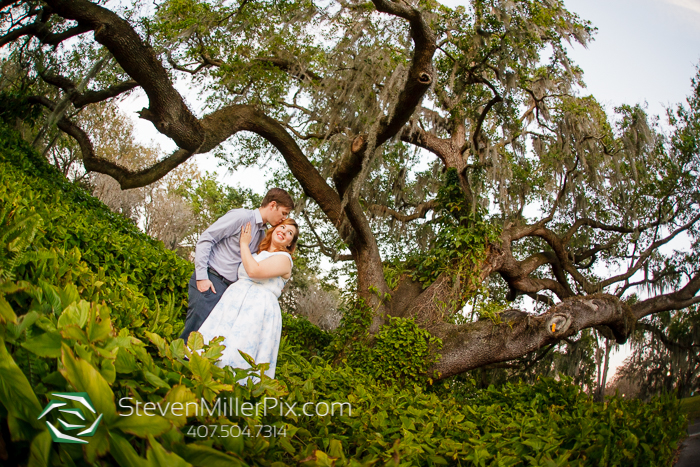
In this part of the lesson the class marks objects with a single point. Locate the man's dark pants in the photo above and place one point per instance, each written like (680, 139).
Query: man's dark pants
(200, 304)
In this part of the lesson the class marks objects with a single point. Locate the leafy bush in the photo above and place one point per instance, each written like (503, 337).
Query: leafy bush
(301, 334)
(60, 235)
(88, 305)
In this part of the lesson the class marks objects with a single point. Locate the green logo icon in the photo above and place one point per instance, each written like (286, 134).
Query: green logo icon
(74, 414)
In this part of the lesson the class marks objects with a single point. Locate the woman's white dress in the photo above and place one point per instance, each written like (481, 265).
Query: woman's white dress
(248, 316)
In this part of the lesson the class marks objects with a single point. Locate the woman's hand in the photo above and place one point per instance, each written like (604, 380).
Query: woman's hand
(246, 236)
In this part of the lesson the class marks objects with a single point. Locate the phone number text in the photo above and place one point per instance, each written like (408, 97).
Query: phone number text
(234, 431)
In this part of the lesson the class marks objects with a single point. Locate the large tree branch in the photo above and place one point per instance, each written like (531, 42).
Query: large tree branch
(217, 128)
(224, 123)
(167, 109)
(127, 178)
(418, 137)
(420, 76)
(171, 116)
(41, 30)
(474, 345)
(678, 300)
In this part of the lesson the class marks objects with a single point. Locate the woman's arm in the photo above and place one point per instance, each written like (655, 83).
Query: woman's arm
(274, 266)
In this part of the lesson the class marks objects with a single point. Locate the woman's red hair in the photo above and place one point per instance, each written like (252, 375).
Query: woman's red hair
(267, 241)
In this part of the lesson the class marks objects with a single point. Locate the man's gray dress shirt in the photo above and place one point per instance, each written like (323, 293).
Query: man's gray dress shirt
(219, 246)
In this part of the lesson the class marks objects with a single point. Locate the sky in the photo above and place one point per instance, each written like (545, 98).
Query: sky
(644, 51)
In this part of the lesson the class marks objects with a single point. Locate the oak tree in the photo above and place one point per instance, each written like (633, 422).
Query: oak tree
(442, 151)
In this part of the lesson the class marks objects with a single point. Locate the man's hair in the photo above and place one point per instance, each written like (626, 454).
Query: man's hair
(280, 196)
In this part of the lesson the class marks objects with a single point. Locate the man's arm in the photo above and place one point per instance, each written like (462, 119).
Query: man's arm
(226, 226)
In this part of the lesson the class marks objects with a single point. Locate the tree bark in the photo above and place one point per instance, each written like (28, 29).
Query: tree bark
(485, 342)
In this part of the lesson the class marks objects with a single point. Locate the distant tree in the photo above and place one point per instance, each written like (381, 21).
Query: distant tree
(208, 200)
(528, 185)
(665, 356)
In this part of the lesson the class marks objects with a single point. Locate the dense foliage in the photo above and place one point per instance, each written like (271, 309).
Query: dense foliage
(91, 306)
(77, 240)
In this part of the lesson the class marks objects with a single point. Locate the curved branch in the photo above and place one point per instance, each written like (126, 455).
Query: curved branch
(420, 212)
(79, 99)
(56, 38)
(474, 345)
(127, 178)
(477, 131)
(420, 74)
(41, 30)
(167, 110)
(678, 300)
(428, 141)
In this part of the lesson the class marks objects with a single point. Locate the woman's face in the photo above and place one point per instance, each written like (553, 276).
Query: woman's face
(283, 235)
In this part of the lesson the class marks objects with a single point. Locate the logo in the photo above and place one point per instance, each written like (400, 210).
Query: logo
(74, 414)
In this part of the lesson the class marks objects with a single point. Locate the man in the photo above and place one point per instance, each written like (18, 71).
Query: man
(218, 253)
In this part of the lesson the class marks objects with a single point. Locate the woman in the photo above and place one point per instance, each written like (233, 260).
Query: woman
(248, 314)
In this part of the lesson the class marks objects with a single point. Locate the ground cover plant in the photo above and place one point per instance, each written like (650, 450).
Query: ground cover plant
(93, 306)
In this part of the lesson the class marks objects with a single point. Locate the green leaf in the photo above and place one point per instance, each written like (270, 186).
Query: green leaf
(108, 371)
(125, 361)
(142, 425)
(6, 312)
(200, 367)
(75, 313)
(69, 295)
(99, 325)
(177, 347)
(197, 454)
(40, 450)
(85, 378)
(179, 394)
(16, 394)
(155, 380)
(195, 341)
(51, 296)
(75, 333)
(158, 457)
(124, 453)
(45, 345)
(159, 342)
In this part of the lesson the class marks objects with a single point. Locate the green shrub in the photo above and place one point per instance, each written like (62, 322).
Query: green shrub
(90, 305)
(308, 339)
(60, 235)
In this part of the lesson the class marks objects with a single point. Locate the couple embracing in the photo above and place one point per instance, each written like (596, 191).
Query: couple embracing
(241, 267)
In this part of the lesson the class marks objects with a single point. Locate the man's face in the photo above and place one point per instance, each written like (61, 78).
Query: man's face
(278, 213)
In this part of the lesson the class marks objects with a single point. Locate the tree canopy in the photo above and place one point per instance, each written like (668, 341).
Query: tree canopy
(449, 154)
